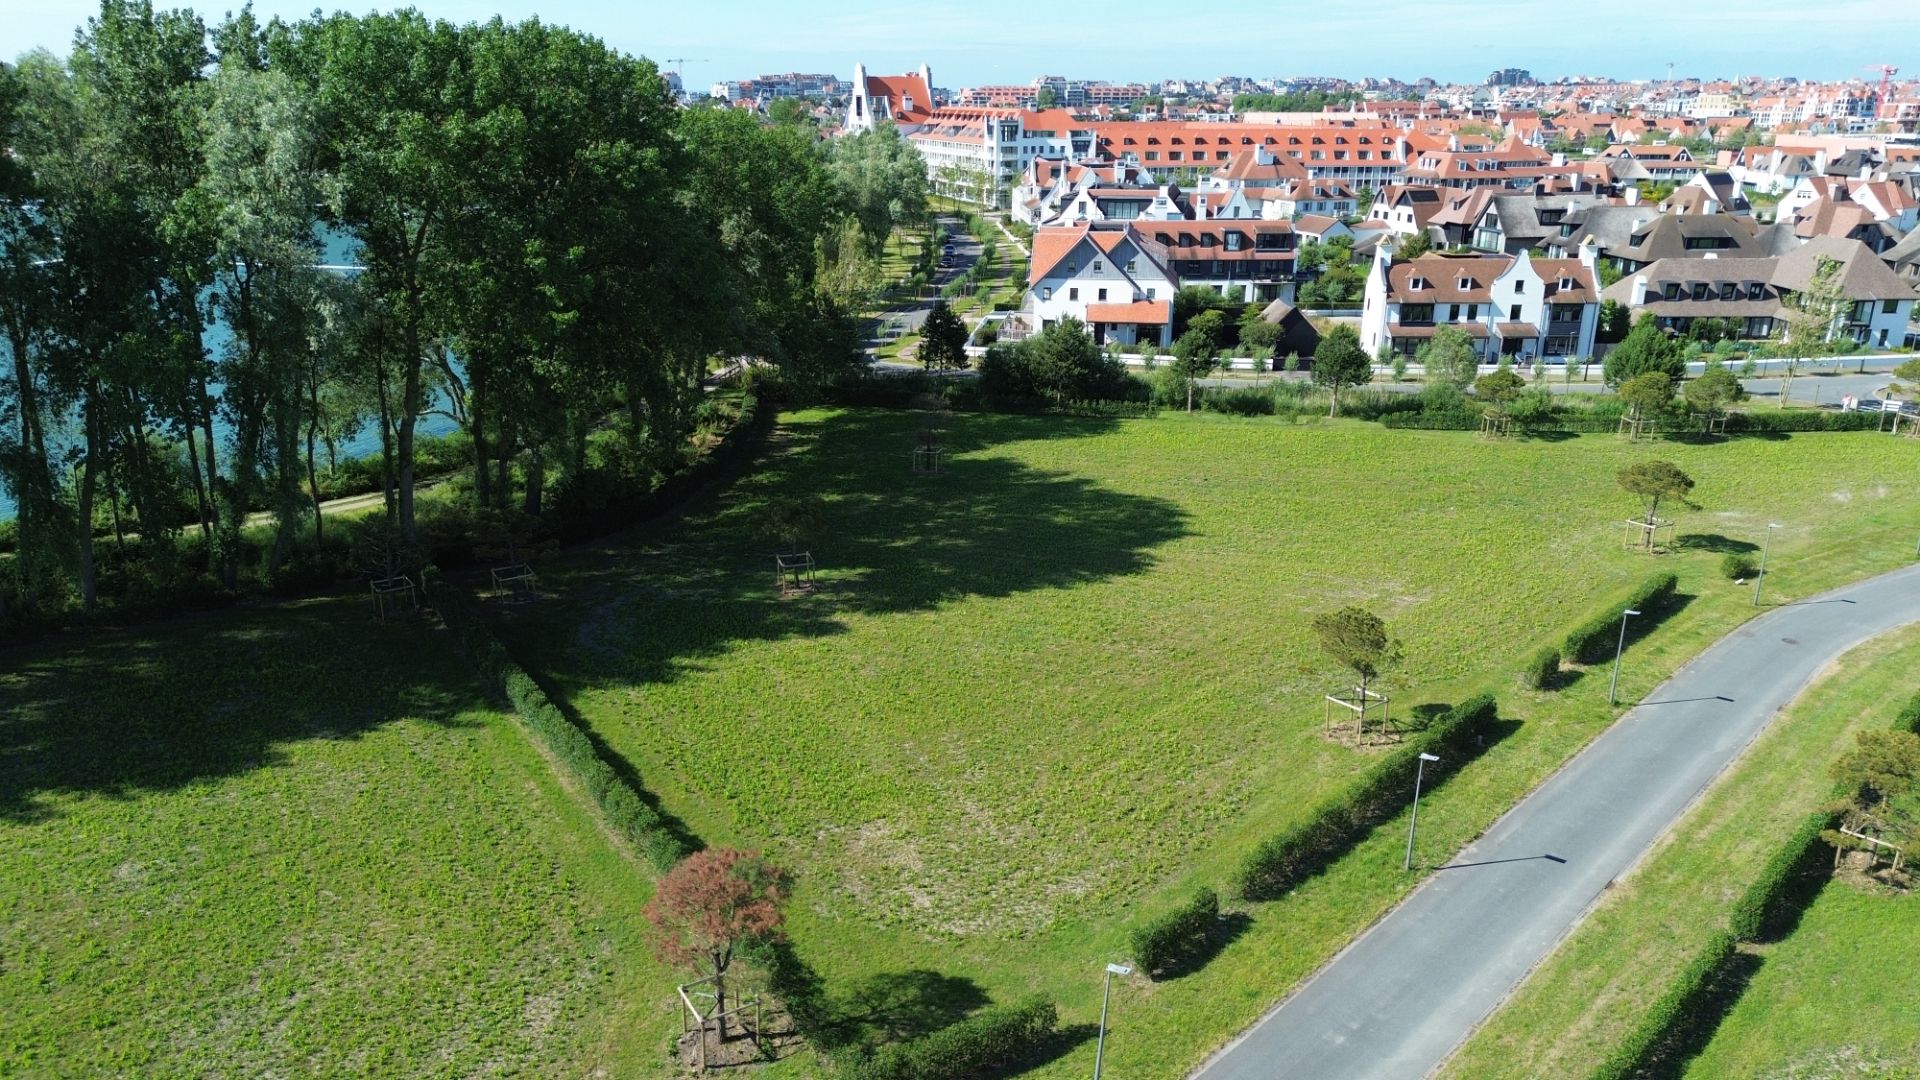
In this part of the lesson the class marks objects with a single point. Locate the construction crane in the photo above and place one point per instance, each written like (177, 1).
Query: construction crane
(672, 63)
(1887, 72)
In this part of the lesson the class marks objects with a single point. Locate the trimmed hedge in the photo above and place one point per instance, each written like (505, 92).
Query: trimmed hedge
(1770, 904)
(1666, 1023)
(1281, 863)
(1542, 669)
(1170, 936)
(989, 1041)
(1775, 420)
(1588, 641)
(625, 809)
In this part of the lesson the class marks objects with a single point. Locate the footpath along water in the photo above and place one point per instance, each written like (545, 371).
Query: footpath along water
(338, 256)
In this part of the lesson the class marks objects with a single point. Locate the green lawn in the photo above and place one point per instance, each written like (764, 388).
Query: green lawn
(1578, 1004)
(1040, 695)
(291, 841)
(1836, 999)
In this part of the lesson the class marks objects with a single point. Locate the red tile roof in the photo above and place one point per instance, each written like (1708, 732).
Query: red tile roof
(1148, 312)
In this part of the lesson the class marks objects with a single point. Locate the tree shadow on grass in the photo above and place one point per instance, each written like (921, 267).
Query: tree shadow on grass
(131, 711)
(663, 600)
(1715, 543)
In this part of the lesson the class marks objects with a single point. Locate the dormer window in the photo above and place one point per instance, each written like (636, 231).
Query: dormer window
(1754, 290)
(1670, 291)
(1699, 290)
(1417, 284)
(1465, 284)
(1567, 284)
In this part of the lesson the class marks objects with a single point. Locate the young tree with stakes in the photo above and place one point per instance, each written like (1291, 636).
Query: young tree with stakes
(709, 907)
(1357, 640)
(1654, 482)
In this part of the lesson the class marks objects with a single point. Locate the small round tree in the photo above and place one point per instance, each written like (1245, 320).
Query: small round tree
(1194, 357)
(711, 905)
(1357, 640)
(1654, 482)
(1714, 390)
(1646, 348)
(1450, 356)
(1339, 362)
(1646, 395)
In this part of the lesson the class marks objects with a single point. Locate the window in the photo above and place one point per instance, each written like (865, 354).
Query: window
(1073, 294)
(1519, 287)
(1072, 265)
(1473, 312)
(1513, 313)
(1453, 313)
(1149, 292)
(1755, 290)
(1699, 290)
(1890, 307)
(1174, 155)
(1564, 313)
(1132, 265)
(1096, 266)
(1103, 295)
(1670, 291)
(1153, 155)
(1416, 314)
(1466, 283)
(1233, 241)
(1046, 293)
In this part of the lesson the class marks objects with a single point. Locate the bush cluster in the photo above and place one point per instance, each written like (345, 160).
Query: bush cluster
(1169, 937)
(1772, 420)
(625, 809)
(1591, 640)
(1737, 566)
(991, 1040)
(1767, 907)
(1667, 1023)
(1281, 863)
(1541, 669)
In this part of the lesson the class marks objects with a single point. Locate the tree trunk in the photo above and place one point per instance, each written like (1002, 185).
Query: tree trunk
(313, 479)
(386, 436)
(1333, 409)
(536, 480)
(199, 487)
(89, 469)
(476, 423)
(409, 416)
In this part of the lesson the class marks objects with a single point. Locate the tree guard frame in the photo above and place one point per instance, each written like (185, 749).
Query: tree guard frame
(1633, 427)
(514, 581)
(1644, 535)
(1495, 425)
(1363, 703)
(718, 1019)
(388, 591)
(793, 573)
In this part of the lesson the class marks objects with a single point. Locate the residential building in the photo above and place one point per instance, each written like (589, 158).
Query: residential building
(1244, 260)
(1634, 236)
(1512, 306)
(1754, 295)
(962, 144)
(903, 100)
(1111, 278)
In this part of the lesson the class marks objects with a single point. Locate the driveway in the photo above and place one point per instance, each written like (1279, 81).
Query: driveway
(1398, 1001)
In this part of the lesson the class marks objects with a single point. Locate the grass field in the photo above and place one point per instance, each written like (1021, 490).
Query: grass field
(293, 842)
(1041, 694)
(1576, 1007)
(1837, 999)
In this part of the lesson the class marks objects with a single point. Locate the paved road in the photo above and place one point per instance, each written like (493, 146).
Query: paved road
(966, 252)
(1398, 1001)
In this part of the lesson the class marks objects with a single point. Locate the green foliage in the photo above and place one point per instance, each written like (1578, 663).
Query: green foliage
(1795, 870)
(1500, 386)
(1616, 319)
(1648, 394)
(1339, 362)
(943, 339)
(1665, 1026)
(1061, 363)
(1280, 864)
(1450, 356)
(1714, 390)
(1414, 246)
(1645, 349)
(1738, 566)
(985, 1044)
(630, 814)
(1356, 639)
(1169, 938)
(1594, 639)
(1654, 482)
(1542, 669)
(1302, 101)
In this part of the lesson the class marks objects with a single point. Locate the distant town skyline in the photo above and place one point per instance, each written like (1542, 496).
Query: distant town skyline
(970, 44)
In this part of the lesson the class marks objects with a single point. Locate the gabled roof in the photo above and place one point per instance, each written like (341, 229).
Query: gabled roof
(1863, 276)
(909, 100)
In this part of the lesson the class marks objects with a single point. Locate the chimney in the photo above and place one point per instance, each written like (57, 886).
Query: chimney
(1590, 256)
(1383, 254)
(1639, 297)
(1633, 194)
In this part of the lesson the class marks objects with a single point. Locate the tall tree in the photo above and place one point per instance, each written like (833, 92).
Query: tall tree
(882, 181)
(1646, 348)
(943, 339)
(1449, 356)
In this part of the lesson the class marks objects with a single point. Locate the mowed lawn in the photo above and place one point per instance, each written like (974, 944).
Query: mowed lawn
(1039, 694)
(1836, 999)
(293, 842)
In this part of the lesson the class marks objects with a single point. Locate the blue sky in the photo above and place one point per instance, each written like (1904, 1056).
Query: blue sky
(988, 41)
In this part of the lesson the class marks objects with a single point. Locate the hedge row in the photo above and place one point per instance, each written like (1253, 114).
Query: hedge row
(1771, 903)
(1541, 669)
(1663, 1026)
(1169, 937)
(1767, 421)
(992, 1040)
(1588, 642)
(629, 814)
(1281, 863)
(1804, 420)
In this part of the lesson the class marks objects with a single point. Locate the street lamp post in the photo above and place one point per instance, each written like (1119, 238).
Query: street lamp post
(1614, 686)
(1762, 575)
(1419, 774)
(1100, 1048)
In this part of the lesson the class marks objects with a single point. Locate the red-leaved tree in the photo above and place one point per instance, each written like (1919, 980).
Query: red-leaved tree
(711, 904)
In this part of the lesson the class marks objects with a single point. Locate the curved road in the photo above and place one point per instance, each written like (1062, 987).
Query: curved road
(1399, 999)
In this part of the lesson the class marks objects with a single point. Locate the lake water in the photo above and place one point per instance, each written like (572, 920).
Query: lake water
(338, 255)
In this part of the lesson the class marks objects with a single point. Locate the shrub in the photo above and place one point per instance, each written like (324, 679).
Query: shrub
(994, 1039)
(1281, 863)
(1669, 1020)
(1775, 420)
(1541, 669)
(1239, 401)
(1737, 566)
(1769, 906)
(1588, 642)
(624, 808)
(1167, 938)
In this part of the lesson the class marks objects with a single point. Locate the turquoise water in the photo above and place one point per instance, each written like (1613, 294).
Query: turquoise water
(338, 251)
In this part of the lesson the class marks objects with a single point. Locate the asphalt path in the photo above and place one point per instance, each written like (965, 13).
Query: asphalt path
(966, 252)
(1398, 1001)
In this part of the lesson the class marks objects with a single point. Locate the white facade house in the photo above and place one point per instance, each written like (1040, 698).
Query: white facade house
(963, 145)
(1512, 306)
(1111, 279)
(902, 100)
